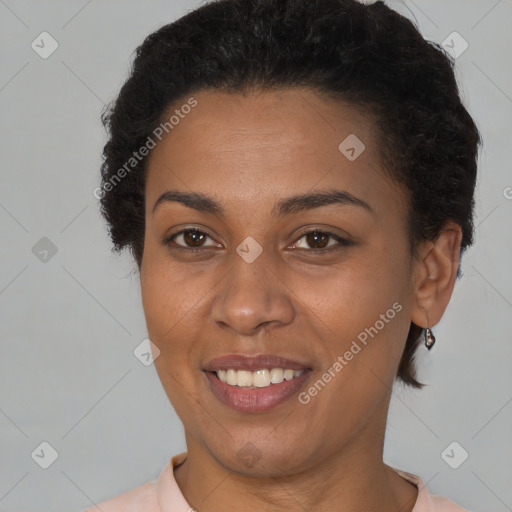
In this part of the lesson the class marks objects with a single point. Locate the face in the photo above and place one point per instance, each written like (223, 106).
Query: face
(269, 247)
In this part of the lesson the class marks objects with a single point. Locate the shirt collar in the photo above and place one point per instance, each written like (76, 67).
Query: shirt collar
(171, 499)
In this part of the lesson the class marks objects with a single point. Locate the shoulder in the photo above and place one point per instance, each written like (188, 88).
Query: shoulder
(143, 498)
(427, 502)
(147, 497)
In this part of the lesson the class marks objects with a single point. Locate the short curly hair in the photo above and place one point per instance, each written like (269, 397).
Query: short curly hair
(366, 55)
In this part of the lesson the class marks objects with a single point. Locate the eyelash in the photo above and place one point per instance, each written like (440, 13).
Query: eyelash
(342, 242)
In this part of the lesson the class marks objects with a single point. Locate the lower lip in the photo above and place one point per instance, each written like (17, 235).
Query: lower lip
(255, 400)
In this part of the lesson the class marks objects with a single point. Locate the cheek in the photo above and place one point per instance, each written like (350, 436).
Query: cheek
(168, 292)
(353, 295)
(172, 307)
(166, 301)
(176, 301)
(364, 306)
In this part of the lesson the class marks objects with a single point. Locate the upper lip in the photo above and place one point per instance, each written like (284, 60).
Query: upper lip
(252, 363)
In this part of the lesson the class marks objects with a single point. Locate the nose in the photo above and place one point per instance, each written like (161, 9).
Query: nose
(252, 297)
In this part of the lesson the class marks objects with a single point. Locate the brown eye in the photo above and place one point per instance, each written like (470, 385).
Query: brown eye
(194, 238)
(189, 239)
(318, 241)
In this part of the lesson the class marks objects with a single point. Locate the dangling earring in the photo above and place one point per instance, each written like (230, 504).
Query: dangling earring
(430, 339)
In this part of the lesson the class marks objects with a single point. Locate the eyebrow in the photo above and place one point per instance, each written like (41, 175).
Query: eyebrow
(290, 205)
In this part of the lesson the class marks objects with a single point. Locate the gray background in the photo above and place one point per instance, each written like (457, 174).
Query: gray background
(70, 321)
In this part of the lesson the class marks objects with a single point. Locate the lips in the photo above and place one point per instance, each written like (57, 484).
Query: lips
(252, 363)
(254, 399)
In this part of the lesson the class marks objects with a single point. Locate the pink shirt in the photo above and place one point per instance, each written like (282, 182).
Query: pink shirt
(164, 495)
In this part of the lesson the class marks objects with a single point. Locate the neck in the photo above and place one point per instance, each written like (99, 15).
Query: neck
(352, 479)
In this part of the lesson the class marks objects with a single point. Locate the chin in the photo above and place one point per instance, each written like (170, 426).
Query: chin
(260, 459)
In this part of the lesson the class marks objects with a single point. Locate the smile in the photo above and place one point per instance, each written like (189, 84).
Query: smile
(259, 379)
(255, 382)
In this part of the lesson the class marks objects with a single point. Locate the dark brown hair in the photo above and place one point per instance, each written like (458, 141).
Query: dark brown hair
(366, 54)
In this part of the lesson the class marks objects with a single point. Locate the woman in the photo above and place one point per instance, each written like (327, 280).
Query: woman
(295, 181)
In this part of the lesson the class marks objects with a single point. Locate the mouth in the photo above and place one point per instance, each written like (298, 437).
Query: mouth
(261, 378)
(255, 383)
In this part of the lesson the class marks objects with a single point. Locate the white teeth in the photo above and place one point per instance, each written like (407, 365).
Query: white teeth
(260, 378)
(288, 374)
(230, 377)
(243, 378)
(276, 375)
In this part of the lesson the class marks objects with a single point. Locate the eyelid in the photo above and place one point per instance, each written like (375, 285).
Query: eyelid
(170, 238)
(341, 240)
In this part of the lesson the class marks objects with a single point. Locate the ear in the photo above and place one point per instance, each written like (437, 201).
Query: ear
(435, 271)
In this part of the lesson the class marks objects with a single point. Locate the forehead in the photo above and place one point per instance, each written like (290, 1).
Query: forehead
(256, 147)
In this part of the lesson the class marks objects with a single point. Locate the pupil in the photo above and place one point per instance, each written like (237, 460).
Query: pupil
(194, 237)
(313, 239)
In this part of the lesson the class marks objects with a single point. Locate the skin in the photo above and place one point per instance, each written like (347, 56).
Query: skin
(247, 152)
